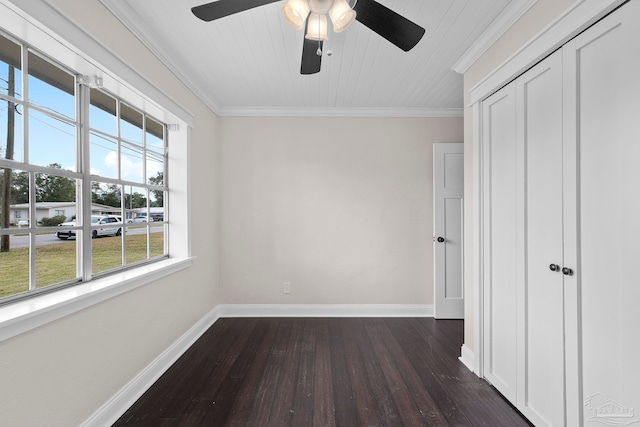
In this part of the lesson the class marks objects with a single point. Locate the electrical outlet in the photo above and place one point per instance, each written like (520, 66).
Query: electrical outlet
(286, 288)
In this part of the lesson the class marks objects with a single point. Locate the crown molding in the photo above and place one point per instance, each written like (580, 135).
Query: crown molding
(339, 112)
(500, 25)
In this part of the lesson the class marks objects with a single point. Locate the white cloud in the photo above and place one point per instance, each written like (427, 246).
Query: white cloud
(130, 170)
(111, 160)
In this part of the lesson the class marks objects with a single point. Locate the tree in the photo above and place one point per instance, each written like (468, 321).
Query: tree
(106, 194)
(54, 188)
(158, 194)
(20, 187)
(5, 198)
(96, 192)
(135, 201)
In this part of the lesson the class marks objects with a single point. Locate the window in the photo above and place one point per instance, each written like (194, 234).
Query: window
(69, 148)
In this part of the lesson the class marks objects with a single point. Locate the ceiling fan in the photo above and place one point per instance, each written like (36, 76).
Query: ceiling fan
(312, 16)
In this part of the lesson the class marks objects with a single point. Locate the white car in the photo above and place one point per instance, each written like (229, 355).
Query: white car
(113, 227)
(141, 217)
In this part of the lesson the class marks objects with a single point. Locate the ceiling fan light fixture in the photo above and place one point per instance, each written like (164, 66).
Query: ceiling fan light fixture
(317, 28)
(295, 12)
(341, 15)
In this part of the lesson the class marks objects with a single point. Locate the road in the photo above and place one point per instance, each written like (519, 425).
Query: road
(51, 239)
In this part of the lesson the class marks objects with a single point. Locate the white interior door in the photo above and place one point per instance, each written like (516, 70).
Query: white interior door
(602, 228)
(540, 352)
(448, 193)
(500, 246)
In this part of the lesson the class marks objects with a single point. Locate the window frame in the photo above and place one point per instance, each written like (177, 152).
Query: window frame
(82, 175)
(68, 45)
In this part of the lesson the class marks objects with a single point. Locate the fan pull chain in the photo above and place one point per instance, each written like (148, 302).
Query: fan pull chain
(319, 51)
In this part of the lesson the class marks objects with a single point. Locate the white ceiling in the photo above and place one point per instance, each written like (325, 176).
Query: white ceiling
(249, 63)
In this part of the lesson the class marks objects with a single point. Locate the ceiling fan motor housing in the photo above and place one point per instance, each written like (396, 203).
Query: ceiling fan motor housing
(320, 6)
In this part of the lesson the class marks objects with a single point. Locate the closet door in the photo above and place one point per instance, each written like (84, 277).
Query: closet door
(602, 220)
(540, 307)
(499, 229)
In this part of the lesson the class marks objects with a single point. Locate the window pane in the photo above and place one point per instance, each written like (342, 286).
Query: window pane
(14, 249)
(155, 168)
(135, 204)
(55, 260)
(156, 200)
(130, 124)
(50, 87)
(102, 113)
(14, 199)
(10, 68)
(104, 156)
(10, 131)
(106, 232)
(155, 136)
(157, 239)
(55, 199)
(108, 196)
(131, 164)
(15, 268)
(51, 141)
(136, 243)
(54, 192)
(106, 252)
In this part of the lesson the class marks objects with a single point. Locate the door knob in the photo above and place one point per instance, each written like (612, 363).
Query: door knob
(440, 239)
(567, 271)
(554, 267)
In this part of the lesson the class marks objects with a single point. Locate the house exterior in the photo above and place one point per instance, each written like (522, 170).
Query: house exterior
(20, 212)
(157, 213)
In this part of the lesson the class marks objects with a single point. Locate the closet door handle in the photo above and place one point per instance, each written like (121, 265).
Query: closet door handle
(441, 239)
(554, 267)
(567, 271)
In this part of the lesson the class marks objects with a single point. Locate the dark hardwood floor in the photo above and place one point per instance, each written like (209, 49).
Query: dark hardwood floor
(323, 372)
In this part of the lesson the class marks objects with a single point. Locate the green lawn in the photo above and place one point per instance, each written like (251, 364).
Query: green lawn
(56, 263)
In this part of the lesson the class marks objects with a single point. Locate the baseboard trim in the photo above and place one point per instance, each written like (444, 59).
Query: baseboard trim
(113, 409)
(325, 310)
(467, 357)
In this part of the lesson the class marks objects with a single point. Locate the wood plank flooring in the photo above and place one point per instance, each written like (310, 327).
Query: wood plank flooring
(323, 372)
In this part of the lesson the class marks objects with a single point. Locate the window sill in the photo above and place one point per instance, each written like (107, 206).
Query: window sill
(23, 316)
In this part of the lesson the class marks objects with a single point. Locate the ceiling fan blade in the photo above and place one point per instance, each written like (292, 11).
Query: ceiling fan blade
(390, 25)
(311, 61)
(222, 8)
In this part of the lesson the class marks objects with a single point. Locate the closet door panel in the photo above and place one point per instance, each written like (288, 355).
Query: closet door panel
(499, 217)
(606, 160)
(540, 289)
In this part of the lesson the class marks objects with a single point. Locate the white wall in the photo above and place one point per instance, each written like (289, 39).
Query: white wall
(341, 208)
(541, 14)
(59, 374)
